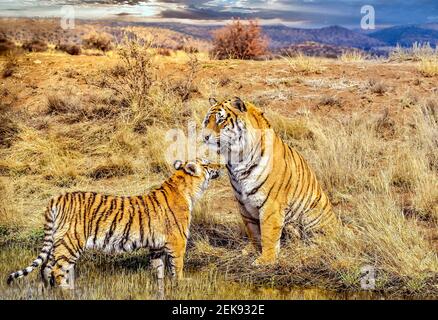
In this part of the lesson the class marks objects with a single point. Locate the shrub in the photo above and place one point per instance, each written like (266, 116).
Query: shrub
(72, 49)
(239, 41)
(135, 74)
(101, 41)
(329, 101)
(377, 87)
(164, 52)
(6, 45)
(186, 87)
(58, 104)
(35, 45)
(190, 49)
(8, 130)
(10, 65)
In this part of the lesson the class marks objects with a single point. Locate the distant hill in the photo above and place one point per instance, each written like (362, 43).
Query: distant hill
(283, 36)
(431, 26)
(408, 35)
(316, 49)
(332, 40)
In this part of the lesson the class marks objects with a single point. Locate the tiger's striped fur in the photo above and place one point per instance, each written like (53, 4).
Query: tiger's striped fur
(272, 182)
(158, 220)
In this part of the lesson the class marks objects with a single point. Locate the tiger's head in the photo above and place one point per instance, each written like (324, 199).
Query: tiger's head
(200, 170)
(227, 124)
(224, 124)
(197, 175)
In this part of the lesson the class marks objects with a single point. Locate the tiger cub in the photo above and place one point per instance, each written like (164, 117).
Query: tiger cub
(158, 220)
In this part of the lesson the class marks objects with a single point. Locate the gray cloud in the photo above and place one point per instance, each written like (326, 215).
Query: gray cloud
(304, 12)
(316, 12)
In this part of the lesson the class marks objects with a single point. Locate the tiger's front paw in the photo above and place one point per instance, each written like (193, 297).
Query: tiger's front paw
(263, 261)
(249, 248)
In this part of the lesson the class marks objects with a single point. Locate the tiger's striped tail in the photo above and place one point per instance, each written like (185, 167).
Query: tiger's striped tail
(45, 251)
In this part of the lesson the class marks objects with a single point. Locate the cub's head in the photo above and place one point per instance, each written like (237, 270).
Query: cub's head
(199, 170)
(224, 123)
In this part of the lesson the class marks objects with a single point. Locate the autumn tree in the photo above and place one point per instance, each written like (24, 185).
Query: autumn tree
(239, 40)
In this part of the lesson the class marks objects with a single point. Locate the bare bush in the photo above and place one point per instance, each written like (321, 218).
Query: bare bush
(164, 52)
(70, 48)
(8, 130)
(95, 40)
(329, 101)
(10, 65)
(134, 76)
(186, 87)
(377, 87)
(35, 45)
(6, 45)
(239, 41)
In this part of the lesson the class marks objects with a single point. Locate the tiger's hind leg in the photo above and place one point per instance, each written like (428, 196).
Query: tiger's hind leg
(46, 270)
(64, 257)
(175, 253)
(158, 264)
(63, 274)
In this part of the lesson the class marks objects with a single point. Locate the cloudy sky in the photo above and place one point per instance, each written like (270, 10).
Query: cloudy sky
(306, 13)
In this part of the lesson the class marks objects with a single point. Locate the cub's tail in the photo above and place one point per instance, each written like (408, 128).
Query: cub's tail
(45, 251)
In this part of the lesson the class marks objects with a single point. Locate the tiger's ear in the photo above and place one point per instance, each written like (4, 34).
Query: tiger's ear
(238, 104)
(212, 101)
(191, 169)
(177, 164)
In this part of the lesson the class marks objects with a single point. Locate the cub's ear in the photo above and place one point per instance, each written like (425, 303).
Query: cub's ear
(212, 101)
(177, 164)
(191, 169)
(238, 104)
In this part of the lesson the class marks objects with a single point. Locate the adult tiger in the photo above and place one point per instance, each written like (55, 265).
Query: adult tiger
(272, 182)
(158, 220)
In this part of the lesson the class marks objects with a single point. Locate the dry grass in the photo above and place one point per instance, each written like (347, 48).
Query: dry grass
(304, 65)
(353, 56)
(379, 169)
(428, 66)
(417, 52)
(365, 191)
